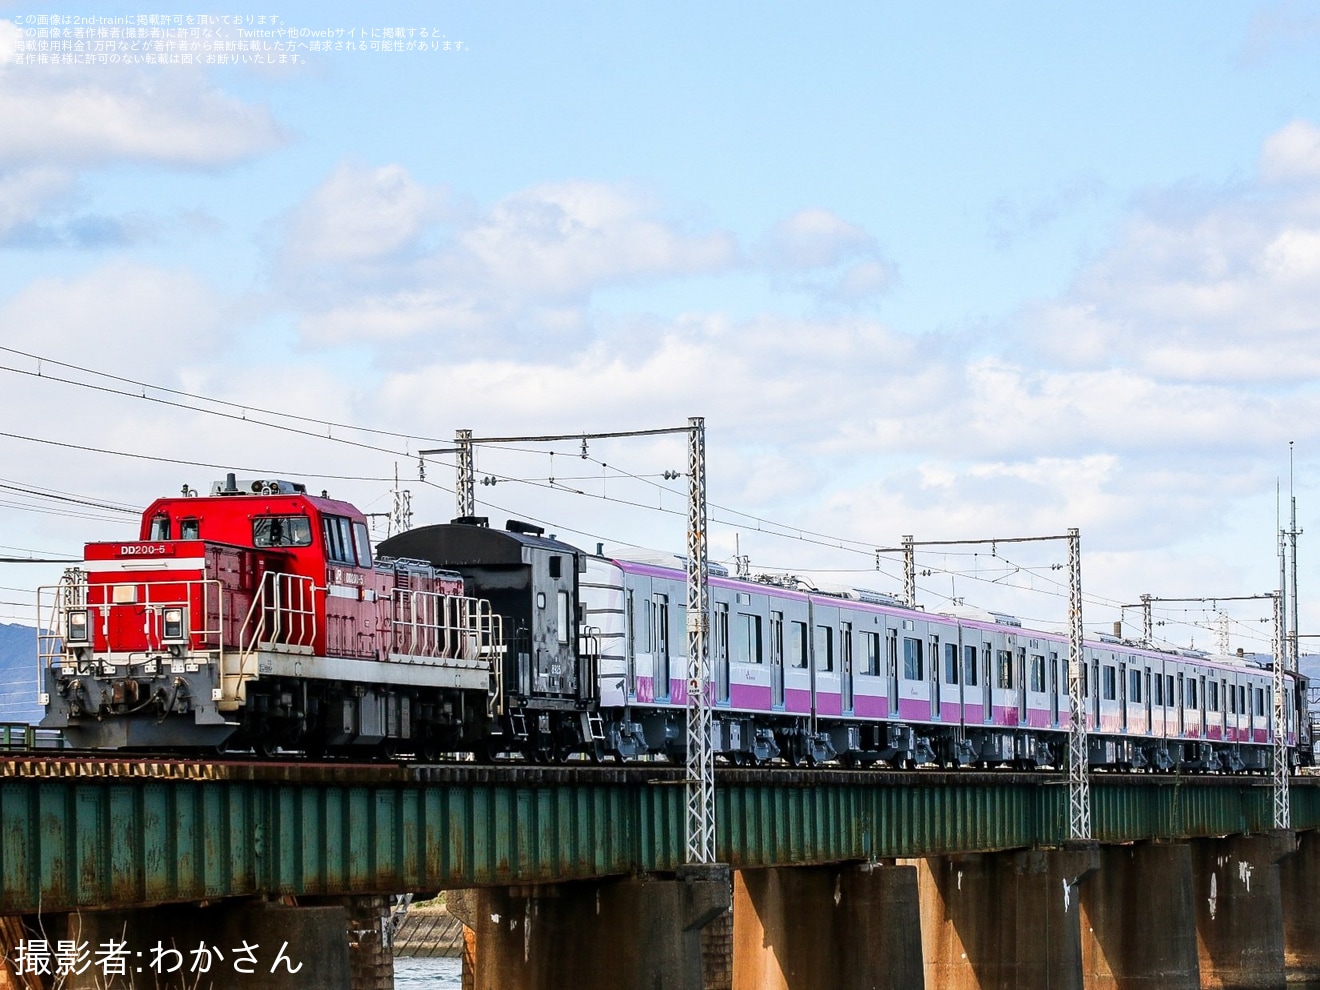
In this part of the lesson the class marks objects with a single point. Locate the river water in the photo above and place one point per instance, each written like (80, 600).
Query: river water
(427, 974)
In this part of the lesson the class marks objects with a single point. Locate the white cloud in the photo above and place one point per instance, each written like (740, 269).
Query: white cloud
(360, 214)
(1198, 288)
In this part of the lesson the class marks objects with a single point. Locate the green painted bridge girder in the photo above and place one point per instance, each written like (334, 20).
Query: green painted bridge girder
(125, 839)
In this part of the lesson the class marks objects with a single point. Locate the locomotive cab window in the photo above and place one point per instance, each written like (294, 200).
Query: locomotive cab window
(160, 528)
(190, 529)
(338, 539)
(281, 531)
(363, 541)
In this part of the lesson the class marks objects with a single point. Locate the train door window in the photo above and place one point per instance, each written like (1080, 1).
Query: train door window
(969, 666)
(562, 617)
(1086, 681)
(1038, 673)
(892, 652)
(1260, 701)
(749, 638)
(777, 637)
(1242, 699)
(824, 648)
(190, 529)
(1134, 687)
(1021, 666)
(950, 663)
(644, 627)
(871, 644)
(1109, 684)
(1159, 690)
(721, 632)
(797, 645)
(1005, 669)
(913, 659)
(1170, 698)
(363, 543)
(1230, 699)
(1212, 701)
(1191, 700)
(160, 528)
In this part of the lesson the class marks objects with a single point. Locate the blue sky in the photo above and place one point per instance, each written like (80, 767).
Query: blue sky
(955, 270)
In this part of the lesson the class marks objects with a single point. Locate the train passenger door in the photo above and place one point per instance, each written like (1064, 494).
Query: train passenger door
(776, 659)
(1123, 694)
(1022, 684)
(722, 653)
(1054, 688)
(935, 708)
(630, 647)
(1182, 705)
(660, 645)
(1205, 705)
(846, 666)
(891, 663)
(987, 682)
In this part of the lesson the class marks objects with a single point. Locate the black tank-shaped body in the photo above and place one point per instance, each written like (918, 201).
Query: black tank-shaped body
(532, 582)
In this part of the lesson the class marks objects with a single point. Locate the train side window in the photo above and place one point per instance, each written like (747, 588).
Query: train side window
(950, 663)
(969, 665)
(913, 659)
(797, 644)
(1005, 669)
(872, 641)
(749, 638)
(160, 528)
(824, 648)
(363, 542)
(190, 529)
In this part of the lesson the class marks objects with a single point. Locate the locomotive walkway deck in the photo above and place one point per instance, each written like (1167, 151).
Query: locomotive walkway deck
(125, 834)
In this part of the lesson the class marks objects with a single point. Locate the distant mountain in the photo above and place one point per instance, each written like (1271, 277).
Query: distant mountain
(18, 674)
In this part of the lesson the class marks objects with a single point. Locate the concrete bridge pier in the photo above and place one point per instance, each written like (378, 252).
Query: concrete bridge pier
(1300, 889)
(1239, 910)
(826, 928)
(1139, 920)
(616, 934)
(1004, 920)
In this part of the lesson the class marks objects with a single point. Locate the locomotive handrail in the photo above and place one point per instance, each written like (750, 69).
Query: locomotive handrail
(283, 614)
(73, 592)
(436, 625)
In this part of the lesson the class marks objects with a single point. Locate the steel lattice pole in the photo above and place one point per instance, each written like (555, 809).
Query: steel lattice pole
(1282, 799)
(700, 790)
(465, 488)
(909, 573)
(1147, 623)
(1079, 786)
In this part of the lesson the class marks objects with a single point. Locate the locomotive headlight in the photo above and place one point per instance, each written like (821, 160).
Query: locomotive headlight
(77, 631)
(172, 630)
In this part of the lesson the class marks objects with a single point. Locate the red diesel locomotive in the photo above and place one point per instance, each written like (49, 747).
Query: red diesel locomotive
(256, 617)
